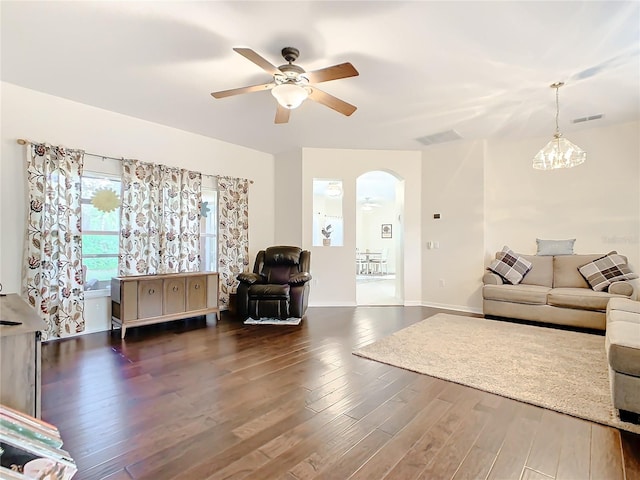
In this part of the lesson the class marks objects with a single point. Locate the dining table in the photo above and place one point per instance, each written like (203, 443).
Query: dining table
(367, 261)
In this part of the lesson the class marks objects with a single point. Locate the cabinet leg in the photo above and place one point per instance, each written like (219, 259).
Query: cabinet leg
(212, 318)
(123, 331)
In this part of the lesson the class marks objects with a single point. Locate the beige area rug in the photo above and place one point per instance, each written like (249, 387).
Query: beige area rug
(556, 369)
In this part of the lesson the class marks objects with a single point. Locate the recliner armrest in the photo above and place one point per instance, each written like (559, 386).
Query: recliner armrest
(249, 278)
(491, 278)
(299, 278)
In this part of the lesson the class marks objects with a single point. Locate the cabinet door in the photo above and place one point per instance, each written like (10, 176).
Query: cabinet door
(197, 292)
(212, 290)
(149, 298)
(173, 295)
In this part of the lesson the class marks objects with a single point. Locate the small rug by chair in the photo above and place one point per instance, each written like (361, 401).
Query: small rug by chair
(561, 370)
(273, 321)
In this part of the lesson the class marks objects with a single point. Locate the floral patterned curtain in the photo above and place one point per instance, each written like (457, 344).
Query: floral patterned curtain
(52, 277)
(233, 233)
(160, 219)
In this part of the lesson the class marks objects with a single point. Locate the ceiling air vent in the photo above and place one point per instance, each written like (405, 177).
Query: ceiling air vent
(588, 119)
(442, 137)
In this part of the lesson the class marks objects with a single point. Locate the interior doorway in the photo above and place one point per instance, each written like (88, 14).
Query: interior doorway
(379, 239)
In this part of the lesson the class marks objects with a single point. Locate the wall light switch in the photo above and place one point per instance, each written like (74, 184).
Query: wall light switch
(436, 244)
(436, 215)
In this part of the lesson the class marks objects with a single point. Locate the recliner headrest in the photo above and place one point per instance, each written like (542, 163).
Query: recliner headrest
(282, 255)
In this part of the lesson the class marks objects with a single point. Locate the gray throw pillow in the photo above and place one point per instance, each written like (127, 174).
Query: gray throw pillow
(604, 271)
(555, 247)
(510, 266)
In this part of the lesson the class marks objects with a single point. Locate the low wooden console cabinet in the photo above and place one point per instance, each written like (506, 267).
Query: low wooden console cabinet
(143, 300)
(20, 355)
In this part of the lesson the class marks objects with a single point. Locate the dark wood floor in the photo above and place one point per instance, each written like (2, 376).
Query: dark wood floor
(187, 401)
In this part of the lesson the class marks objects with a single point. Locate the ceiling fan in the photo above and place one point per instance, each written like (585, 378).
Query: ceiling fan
(291, 84)
(369, 204)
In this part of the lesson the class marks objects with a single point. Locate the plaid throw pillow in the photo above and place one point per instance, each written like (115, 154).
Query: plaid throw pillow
(510, 266)
(604, 271)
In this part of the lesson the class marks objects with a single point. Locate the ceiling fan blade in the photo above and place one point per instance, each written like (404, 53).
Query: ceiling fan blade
(282, 114)
(330, 101)
(344, 70)
(238, 91)
(258, 60)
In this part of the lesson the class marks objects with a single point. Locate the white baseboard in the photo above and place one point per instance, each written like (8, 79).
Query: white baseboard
(457, 308)
(412, 303)
(333, 304)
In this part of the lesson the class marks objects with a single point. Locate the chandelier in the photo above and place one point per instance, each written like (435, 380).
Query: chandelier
(559, 152)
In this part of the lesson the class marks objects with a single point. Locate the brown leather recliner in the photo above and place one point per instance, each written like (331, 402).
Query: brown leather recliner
(278, 286)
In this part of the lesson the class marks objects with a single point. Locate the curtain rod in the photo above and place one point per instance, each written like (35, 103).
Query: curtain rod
(22, 141)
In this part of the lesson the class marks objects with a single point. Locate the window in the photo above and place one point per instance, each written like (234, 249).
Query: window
(209, 230)
(327, 213)
(100, 229)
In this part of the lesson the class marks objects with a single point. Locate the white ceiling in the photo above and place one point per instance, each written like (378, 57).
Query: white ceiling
(481, 68)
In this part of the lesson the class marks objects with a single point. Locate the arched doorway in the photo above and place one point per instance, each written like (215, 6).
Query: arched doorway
(379, 239)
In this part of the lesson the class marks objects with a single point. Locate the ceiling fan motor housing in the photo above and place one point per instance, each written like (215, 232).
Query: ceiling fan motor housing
(290, 54)
(291, 74)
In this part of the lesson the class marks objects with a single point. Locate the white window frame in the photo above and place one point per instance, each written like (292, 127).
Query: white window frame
(209, 191)
(106, 290)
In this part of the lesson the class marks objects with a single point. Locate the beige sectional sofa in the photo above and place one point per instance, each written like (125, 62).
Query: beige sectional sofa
(622, 343)
(553, 291)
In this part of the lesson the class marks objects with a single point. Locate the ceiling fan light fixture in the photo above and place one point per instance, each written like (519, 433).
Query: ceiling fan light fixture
(559, 152)
(290, 95)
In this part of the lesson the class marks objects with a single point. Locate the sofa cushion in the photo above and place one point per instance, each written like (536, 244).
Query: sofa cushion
(604, 271)
(527, 294)
(510, 266)
(541, 272)
(622, 316)
(582, 298)
(565, 270)
(555, 247)
(625, 304)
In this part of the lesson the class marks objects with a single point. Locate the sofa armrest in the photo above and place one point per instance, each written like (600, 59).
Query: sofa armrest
(491, 278)
(622, 288)
(249, 278)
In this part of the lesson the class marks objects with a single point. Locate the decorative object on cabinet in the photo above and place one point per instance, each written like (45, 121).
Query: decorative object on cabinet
(20, 355)
(149, 299)
(326, 233)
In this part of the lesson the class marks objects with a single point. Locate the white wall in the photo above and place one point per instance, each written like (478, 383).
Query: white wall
(489, 196)
(453, 187)
(288, 192)
(333, 268)
(597, 203)
(40, 117)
